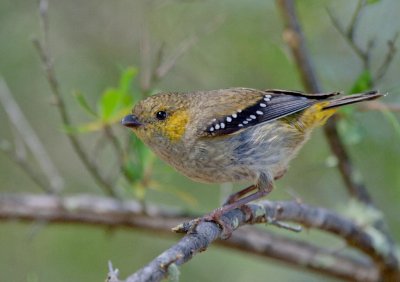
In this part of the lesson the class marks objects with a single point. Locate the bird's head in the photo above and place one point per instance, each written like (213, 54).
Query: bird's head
(159, 119)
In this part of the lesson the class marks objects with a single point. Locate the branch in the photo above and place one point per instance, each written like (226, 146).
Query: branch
(165, 64)
(303, 62)
(294, 38)
(102, 211)
(43, 50)
(355, 188)
(379, 106)
(30, 138)
(164, 67)
(363, 54)
(392, 50)
(202, 234)
(303, 254)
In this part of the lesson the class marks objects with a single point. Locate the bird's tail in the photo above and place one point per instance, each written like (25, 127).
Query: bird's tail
(351, 99)
(321, 111)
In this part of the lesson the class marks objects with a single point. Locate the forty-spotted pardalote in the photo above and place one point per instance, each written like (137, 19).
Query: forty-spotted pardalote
(233, 135)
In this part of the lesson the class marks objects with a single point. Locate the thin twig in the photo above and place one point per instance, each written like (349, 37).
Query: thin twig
(293, 36)
(108, 212)
(165, 66)
(363, 54)
(29, 171)
(30, 138)
(392, 50)
(311, 84)
(119, 151)
(47, 61)
(379, 106)
(354, 19)
(145, 51)
(355, 188)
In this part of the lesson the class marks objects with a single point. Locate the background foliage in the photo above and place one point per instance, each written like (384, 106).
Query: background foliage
(96, 46)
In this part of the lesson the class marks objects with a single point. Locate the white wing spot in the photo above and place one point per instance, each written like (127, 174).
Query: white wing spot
(262, 105)
(239, 111)
(272, 138)
(245, 122)
(211, 129)
(222, 125)
(240, 125)
(248, 119)
(228, 119)
(268, 96)
(267, 99)
(253, 116)
(259, 113)
(234, 115)
(217, 126)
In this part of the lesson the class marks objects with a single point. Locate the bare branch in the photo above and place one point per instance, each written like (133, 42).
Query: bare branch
(294, 252)
(379, 106)
(30, 138)
(310, 82)
(355, 18)
(109, 212)
(43, 49)
(27, 168)
(388, 58)
(356, 189)
(162, 69)
(364, 55)
(202, 234)
(294, 38)
(145, 52)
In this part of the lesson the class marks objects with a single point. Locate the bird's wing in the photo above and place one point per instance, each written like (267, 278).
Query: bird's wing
(270, 105)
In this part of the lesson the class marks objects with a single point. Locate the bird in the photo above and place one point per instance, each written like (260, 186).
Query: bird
(234, 135)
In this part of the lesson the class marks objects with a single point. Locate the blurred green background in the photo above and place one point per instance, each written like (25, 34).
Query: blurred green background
(93, 41)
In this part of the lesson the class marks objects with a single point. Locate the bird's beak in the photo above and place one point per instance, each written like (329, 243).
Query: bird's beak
(131, 121)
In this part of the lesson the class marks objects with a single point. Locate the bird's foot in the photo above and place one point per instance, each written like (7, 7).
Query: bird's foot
(217, 216)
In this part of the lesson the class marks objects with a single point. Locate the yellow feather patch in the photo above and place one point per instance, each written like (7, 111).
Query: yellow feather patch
(310, 118)
(315, 115)
(175, 125)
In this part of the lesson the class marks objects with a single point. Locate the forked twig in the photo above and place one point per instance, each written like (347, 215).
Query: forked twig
(44, 52)
(30, 138)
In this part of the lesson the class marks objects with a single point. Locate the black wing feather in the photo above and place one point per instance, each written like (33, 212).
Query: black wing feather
(273, 105)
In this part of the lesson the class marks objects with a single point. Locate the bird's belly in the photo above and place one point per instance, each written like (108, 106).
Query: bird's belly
(241, 157)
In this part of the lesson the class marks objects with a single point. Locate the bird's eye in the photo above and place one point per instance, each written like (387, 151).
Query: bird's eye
(161, 115)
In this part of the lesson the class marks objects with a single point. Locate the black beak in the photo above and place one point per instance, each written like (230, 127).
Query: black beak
(131, 121)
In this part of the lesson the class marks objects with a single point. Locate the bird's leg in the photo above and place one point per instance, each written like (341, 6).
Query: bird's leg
(280, 174)
(236, 196)
(264, 186)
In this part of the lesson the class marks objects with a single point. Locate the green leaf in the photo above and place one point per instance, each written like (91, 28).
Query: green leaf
(135, 165)
(125, 82)
(83, 103)
(363, 82)
(116, 102)
(108, 103)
